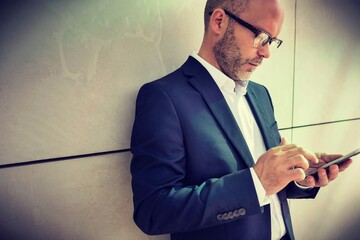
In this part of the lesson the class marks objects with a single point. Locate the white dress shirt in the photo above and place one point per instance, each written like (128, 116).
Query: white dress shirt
(234, 94)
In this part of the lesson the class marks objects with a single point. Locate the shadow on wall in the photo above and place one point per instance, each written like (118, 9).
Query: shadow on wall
(85, 199)
(351, 231)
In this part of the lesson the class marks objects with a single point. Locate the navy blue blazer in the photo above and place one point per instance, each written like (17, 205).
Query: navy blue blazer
(190, 166)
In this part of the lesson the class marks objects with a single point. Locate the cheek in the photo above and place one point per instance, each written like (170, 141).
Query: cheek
(245, 46)
(246, 52)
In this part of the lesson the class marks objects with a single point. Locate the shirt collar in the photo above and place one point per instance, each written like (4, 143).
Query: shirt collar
(222, 81)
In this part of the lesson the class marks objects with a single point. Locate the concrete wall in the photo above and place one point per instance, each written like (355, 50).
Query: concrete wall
(69, 74)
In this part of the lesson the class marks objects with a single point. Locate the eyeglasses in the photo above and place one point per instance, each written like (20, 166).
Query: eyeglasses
(261, 37)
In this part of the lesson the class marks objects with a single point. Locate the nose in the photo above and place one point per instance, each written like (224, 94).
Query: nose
(264, 51)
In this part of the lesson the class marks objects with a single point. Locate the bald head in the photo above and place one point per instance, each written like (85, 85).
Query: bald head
(236, 7)
(267, 14)
(256, 8)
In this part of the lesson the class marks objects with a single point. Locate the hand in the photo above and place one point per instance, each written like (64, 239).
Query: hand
(324, 177)
(281, 165)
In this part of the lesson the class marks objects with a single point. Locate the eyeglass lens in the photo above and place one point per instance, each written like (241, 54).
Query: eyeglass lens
(263, 39)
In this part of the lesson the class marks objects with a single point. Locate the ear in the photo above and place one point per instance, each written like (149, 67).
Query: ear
(218, 21)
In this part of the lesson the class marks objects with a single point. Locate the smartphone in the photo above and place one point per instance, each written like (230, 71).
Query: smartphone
(336, 161)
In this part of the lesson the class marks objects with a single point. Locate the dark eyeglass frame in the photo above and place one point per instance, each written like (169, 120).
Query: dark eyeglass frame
(255, 30)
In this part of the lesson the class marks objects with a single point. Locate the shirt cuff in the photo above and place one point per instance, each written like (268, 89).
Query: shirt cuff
(302, 187)
(260, 191)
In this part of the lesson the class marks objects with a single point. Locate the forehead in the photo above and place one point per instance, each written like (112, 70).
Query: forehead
(267, 15)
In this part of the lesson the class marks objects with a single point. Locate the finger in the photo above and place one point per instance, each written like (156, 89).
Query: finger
(298, 161)
(344, 165)
(320, 155)
(310, 156)
(297, 174)
(287, 147)
(310, 181)
(283, 148)
(322, 178)
(283, 141)
(333, 172)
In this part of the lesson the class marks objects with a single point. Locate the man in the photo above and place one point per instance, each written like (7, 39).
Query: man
(208, 160)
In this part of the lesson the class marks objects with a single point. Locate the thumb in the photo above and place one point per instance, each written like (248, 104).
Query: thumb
(298, 174)
(283, 141)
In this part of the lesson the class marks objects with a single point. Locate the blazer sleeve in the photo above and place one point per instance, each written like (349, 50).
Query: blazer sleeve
(294, 192)
(163, 201)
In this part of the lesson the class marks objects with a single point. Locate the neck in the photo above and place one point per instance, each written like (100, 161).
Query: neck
(207, 54)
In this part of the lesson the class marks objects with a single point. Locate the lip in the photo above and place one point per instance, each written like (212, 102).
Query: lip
(254, 64)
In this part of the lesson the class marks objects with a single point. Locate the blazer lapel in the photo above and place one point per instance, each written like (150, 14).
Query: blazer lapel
(202, 81)
(270, 142)
(259, 114)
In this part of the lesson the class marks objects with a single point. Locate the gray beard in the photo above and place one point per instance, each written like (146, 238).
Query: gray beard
(228, 57)
(243, 76)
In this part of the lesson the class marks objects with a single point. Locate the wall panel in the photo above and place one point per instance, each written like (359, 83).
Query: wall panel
(70, 70)
(327, 61)
(334, 213)
(82, 199)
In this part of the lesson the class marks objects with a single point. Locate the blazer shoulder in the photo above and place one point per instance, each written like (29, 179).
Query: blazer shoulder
(179, 77)
(257, 86)
(168, 81)
(261, 92)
